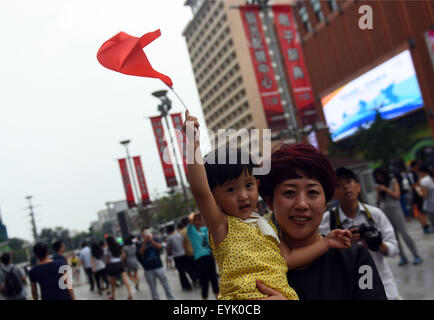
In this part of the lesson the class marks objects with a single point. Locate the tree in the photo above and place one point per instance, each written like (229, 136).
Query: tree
(383, 141)
(169, 207)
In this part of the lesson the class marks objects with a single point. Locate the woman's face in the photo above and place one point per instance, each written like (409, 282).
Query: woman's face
(298, 206)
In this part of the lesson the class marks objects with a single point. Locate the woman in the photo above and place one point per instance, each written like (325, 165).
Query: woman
(115, 266)
(98, 266)
(388, 199)
(426, 190)
(132, 263)
(299, 185)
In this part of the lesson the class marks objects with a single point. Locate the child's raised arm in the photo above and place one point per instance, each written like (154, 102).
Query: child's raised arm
(300, 257)
(213, 217)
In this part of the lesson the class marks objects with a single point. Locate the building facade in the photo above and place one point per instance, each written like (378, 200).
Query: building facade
(335, 48)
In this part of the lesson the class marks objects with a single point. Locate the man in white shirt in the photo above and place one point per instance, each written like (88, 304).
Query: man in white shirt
(350, 214)
(85, 260)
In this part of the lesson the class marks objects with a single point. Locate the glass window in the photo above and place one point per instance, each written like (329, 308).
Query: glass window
(302, 12)
(316, 6)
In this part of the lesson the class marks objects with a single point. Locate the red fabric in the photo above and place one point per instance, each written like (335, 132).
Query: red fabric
(124, 53)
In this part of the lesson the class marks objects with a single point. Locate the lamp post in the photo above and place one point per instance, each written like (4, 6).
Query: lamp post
(164, 108)
(125, 143)
(32, 217)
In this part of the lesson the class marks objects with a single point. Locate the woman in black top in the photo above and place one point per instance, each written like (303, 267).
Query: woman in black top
(297, 189)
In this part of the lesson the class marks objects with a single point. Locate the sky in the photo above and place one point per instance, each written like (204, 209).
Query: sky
(62, 115)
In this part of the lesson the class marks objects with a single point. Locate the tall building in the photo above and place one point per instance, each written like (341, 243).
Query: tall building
(222, 66)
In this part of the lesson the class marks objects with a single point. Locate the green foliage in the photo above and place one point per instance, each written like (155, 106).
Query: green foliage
(383, 141)
(20, 249)
(169, 207)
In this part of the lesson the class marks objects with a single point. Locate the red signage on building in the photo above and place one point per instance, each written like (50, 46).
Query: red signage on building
(142, 182)
(294, 63)
(127, 183)
(180, 137)
(166, 162)
(264, 72)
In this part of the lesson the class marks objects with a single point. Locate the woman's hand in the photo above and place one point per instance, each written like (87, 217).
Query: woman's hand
(272, 294)
(339, 239)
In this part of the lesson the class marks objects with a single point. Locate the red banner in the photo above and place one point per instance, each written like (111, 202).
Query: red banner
(295, 64)
(127, 183)
(264, 72)
(142, 181)
(169, 173)
(180, 137)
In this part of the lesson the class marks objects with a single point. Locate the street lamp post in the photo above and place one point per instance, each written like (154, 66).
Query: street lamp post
(164, 108)
(125, 144)
(32, 217)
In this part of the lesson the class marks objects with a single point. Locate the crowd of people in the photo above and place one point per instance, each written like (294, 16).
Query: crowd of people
(308, 249)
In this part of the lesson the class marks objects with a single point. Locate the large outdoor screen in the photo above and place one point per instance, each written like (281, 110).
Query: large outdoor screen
(391, 88)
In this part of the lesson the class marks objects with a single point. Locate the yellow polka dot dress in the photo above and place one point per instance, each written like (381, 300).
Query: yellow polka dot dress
(246, 255)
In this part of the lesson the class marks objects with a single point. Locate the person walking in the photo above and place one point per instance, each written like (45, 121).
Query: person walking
(99, 268)
(115, 267)
(131, 261)
(426, 190)
(190, 263)
(59, 250)
(175, 246)
(206, 266)
(388, 195)
(48, 274)
(85, 261)
(153, 265)
(12, 279)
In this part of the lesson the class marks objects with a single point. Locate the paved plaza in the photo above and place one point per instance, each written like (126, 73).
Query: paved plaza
(414, 282)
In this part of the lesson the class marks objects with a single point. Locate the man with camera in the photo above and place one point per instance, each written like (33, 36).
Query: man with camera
(368, 224)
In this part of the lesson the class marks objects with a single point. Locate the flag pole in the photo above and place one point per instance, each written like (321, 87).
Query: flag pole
(177, 97)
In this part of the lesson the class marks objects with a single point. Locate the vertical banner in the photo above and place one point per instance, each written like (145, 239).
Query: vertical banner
(294, 63)
(142, 182)
(429, 38)
(180, 137)
(127, 183)
(169, 173)
(264, 72)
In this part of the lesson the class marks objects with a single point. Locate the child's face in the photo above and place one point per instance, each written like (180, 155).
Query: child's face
(238, 197)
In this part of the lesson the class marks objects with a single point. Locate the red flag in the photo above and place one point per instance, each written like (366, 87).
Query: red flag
(124, 53)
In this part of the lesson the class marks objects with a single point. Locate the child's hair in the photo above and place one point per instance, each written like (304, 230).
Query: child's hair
(288, 159)
(218, 174)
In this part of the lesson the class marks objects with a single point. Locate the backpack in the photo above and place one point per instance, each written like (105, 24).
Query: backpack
(13, 285)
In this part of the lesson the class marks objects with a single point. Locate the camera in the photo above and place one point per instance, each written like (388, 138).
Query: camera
(371, 235)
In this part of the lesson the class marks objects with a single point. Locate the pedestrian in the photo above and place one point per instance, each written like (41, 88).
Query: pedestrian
(50, 274)
(12, 279)
(404, 186)
(151, 250)
(353, 215)
(59, 249)
(131, 261)
(75, 265)
(175, 246)
(85, 261)
(417, 200)
(297, 189)
(426, 190)
(205, 262)
(190, 264)
(115, 267)
(388, 195)
(245, 245)
(168, 255)
(99, 268)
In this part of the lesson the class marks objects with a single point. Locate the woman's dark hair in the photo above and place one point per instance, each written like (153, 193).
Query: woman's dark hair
(40, 250)
(96, 250)
(381, 176)
(129, 240)
(302, 157)
(114, 247)
(218, 174)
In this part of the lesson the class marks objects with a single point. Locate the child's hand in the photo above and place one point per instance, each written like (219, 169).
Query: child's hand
(339, 239)
(191, 121)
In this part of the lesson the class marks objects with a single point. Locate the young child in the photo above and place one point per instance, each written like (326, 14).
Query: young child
(245, 245)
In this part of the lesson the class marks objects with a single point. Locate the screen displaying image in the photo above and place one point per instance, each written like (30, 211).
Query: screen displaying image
(391, 88)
